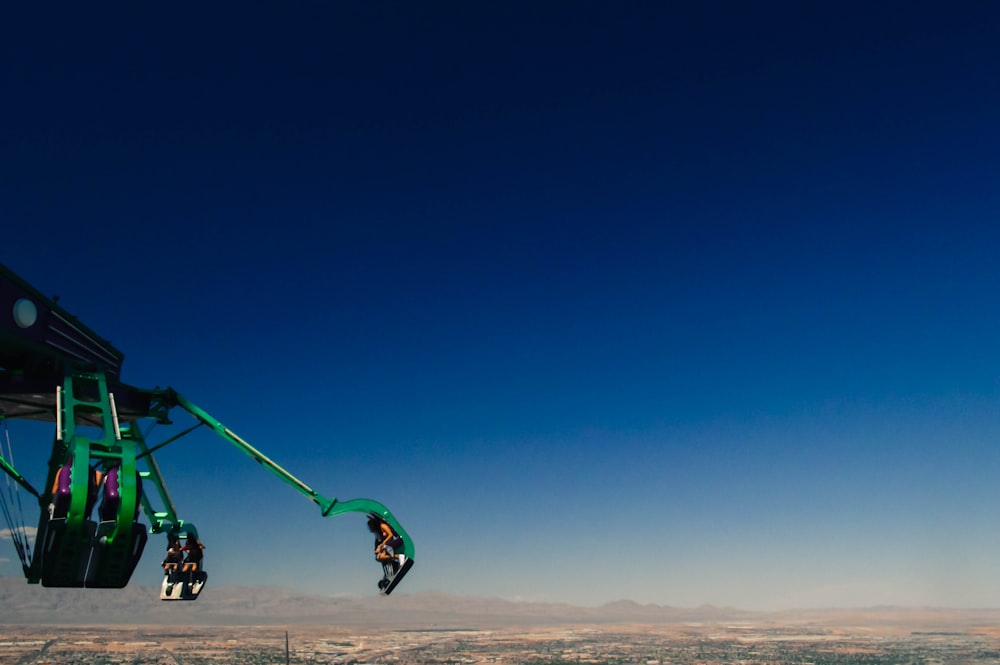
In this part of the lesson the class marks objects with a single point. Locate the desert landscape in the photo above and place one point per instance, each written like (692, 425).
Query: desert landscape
(250, 624)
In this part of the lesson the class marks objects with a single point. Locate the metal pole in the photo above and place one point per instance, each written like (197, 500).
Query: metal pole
(59, 436)
(114, 417)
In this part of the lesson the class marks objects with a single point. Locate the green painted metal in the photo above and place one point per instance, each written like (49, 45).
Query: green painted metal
(73, 549)
(17, 477)
(94, 435)
(86, 399)
(328, 507)
(165, 520)
(89, 439)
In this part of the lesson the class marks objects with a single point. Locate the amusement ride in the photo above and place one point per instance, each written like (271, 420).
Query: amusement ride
(102, 474)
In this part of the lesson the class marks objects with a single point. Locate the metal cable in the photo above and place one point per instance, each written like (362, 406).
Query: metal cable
(13, 510)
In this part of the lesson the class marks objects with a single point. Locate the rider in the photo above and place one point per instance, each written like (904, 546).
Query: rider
(174, 558)
(386, 541)
(194, 548)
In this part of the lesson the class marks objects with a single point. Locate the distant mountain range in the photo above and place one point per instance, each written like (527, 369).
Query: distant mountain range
(22, 603)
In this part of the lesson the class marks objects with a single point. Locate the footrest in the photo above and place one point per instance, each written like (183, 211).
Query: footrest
(112, 564)
(395, 579)
(177, 587)
(65, 556)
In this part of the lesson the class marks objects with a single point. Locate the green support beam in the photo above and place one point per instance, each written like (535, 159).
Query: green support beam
(329, 507)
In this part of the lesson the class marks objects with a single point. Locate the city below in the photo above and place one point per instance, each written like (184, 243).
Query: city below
(248, 625)
(625, 644)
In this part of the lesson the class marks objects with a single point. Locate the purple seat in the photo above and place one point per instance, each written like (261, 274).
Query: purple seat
(63, 490)
(112, 498)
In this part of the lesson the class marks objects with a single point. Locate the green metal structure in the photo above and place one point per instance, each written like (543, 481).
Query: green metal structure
(55, 369)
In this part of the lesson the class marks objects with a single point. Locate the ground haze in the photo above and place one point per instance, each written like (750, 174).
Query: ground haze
(837, 638)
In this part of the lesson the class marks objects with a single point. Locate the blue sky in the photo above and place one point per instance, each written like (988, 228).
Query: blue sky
(678, 304)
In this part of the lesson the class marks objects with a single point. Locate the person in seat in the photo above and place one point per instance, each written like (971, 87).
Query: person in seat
(386, 542)
(192, 562)
(174, 558)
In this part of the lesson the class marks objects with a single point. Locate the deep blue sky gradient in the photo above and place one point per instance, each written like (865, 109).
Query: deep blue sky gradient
(686, 304)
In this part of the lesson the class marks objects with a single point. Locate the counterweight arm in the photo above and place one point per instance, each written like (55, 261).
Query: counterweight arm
(18, 478)
(328, 506)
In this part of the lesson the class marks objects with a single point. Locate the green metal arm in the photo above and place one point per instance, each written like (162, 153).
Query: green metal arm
(329, 507)
(165, 520)
(18, 478)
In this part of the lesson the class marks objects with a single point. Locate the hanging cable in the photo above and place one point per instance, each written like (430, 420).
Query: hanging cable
(9, 504)
(13, 510)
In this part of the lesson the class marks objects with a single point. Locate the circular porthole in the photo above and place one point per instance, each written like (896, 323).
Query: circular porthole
(25, 313)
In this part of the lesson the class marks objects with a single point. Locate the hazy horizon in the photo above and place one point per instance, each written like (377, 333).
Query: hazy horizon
(237, 604)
